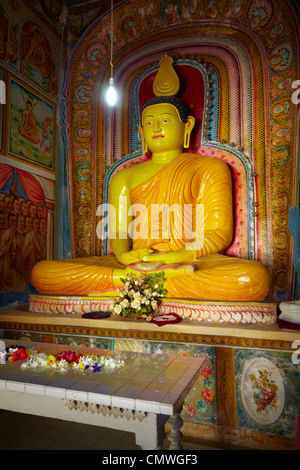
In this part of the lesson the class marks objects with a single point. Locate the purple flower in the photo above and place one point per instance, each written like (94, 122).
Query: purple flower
(96, 368)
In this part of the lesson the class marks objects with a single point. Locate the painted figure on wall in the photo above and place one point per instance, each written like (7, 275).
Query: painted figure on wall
(36, 57)
(23, 229)
(27, 127)
(170, 10)
(31, 129)
(45, 136)
(171, 178)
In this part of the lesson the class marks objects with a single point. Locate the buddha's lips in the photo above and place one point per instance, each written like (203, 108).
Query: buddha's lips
(157, 136)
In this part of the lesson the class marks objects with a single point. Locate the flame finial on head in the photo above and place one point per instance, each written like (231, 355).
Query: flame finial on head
(166, 82)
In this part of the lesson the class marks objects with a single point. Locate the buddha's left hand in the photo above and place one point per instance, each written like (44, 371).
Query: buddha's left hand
(174, 257)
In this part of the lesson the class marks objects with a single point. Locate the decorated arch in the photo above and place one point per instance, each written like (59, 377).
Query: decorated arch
(247, 55)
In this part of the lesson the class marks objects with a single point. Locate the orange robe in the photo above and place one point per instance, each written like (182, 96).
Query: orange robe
(188, 180)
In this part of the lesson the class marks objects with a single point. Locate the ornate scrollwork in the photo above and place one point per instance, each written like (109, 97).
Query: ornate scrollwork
(105, 410)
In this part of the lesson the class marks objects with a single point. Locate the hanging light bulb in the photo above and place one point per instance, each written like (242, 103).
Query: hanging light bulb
(111, 94)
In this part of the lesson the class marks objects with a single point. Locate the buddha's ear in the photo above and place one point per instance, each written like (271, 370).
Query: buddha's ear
(145, 147)
(189, 125)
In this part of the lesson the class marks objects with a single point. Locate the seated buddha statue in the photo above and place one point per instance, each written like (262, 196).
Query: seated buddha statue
(194, 266)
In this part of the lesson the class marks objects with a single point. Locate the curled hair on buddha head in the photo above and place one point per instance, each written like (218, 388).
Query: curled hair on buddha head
(176, 102)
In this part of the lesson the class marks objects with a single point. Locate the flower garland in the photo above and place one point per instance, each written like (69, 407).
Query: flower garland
(63, 361)
(67, 360)
(140, 296)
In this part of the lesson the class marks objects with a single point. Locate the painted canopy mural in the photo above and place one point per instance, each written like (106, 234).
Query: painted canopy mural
(23, 227)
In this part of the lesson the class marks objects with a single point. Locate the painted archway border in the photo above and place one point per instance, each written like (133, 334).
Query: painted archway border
(230, 76)
(271, 43)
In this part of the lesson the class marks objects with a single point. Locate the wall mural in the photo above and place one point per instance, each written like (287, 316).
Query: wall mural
(36, 58)
(23, 227)
(31, 126)
(236, 41)
(29, 50)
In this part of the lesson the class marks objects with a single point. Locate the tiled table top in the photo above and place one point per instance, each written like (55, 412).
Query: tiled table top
(147, 382)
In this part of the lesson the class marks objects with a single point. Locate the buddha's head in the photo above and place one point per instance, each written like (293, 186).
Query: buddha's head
(21, 222)
(12, 220)
(165, 125)
(43, 225)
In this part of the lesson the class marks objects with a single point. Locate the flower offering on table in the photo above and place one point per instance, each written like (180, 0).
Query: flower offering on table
(140, 296)
(68, 359)
(62, 361)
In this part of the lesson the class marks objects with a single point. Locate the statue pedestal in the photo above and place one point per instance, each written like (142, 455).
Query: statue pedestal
(194, 310)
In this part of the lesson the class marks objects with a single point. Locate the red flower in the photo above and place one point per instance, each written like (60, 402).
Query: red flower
(19, 355)
(206, 372)
(190, 410)
(207, 395)
(60, 356)
(23, 355)
(267, 397)
(68, 356)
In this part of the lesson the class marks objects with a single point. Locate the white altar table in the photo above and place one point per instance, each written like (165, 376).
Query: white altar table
(138, 397)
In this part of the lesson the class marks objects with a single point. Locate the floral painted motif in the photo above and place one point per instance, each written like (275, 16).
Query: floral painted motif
(264, 390)
(190, 410)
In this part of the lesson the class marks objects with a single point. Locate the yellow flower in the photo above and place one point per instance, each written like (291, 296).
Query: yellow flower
(81, 365)
(51, 360)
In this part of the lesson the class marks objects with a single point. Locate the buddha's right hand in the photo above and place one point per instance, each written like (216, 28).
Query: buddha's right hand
(133, 256)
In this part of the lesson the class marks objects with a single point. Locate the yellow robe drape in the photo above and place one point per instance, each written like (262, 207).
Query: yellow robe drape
(187, 180)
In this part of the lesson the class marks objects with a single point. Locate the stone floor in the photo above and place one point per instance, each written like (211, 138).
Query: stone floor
(20, 431)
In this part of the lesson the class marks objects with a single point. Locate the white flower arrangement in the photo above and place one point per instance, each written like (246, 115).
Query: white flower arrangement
(80, 362)
(140, 296)
(100, 361)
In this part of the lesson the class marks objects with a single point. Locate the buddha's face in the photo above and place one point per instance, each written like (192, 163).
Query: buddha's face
(8, 203)
(24, 208)
(28, 224)
(43, 225)
(32, 210)
(35, 223)
(21, 222)
(39, 211)
(12, 221)
(162, 128)
(16, 206)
